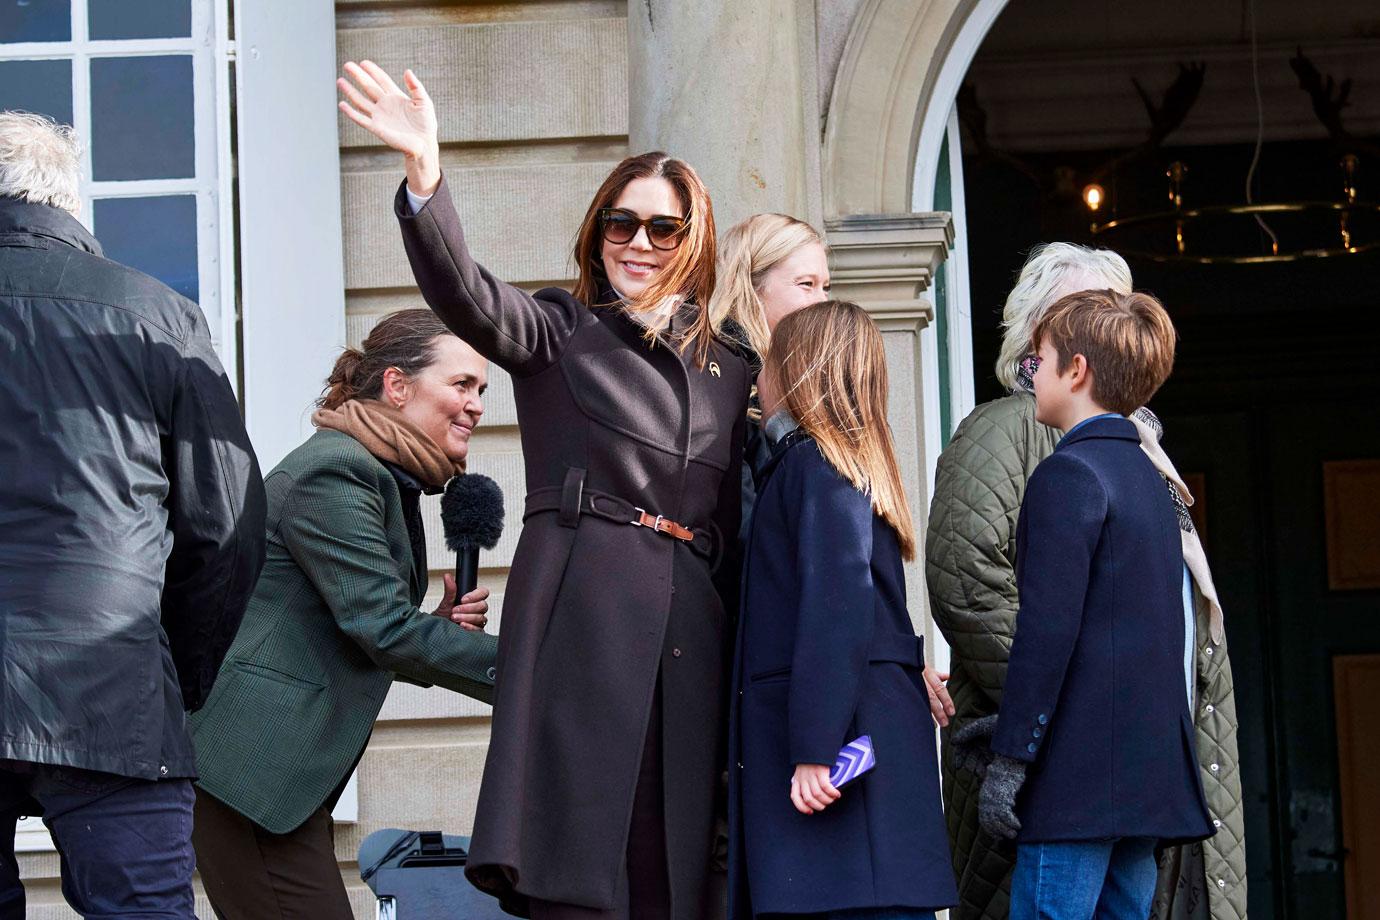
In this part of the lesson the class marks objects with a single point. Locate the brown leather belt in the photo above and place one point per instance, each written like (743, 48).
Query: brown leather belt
(572, 500)
(662, 524)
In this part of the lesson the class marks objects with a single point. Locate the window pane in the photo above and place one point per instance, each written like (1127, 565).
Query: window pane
(141, 118)
(37, 86)
(154, 235)
(142, 19)
(35, 21)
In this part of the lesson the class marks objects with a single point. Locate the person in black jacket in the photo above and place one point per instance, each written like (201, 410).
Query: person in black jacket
(131, 536)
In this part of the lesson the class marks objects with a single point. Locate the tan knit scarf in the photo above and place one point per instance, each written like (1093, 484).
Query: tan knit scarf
(386, 434)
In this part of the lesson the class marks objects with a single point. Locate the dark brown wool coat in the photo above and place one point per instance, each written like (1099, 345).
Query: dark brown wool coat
(594, 608)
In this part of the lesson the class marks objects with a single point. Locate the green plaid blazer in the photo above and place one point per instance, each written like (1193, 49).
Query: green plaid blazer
(333, 620)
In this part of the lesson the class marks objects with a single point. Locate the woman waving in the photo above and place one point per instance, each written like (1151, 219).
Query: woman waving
(599, 791)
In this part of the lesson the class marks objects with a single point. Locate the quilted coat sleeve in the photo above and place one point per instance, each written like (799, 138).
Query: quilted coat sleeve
(970, 563)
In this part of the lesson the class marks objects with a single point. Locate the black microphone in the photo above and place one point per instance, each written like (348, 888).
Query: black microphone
(472, 519)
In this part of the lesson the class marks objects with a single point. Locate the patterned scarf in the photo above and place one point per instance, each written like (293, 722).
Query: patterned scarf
(389, 436)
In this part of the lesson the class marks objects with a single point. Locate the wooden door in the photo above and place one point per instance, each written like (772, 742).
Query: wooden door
(1356, 684)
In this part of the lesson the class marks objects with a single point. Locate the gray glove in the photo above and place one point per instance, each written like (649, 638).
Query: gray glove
(997, 800)
(971, 745)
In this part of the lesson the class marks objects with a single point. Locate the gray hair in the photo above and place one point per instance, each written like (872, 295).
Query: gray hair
(40, 161)
(1052, 271)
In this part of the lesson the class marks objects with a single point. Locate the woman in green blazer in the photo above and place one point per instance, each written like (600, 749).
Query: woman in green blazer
(335, 619)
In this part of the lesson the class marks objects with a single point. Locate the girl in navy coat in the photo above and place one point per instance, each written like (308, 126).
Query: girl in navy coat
(827, 653)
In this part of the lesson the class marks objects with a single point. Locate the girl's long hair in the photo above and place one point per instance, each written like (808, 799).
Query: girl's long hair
(750, 249)
(829, 364)
(689, 276)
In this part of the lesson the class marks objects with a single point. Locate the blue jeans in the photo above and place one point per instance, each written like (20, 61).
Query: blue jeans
(125, 844)
(1104, 879)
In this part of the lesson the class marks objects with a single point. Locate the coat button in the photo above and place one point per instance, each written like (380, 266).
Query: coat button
(163, 770)
(675, 653)
(1216, 822)
(1214, 768)
(492, 673)
(1208, 651)
(740, 765)
(1221, 883)
(1032, 747)
(1036, 733)
(1210, 708)
(1043, 719)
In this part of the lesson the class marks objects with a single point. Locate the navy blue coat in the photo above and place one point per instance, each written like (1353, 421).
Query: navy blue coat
(1094, 694)
(826, 652)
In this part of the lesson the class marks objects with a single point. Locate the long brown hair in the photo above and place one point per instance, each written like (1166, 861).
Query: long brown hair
(405, 340)
(829, 364)
(690, 274)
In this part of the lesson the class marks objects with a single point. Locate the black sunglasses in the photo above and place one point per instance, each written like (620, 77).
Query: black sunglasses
(663, 231)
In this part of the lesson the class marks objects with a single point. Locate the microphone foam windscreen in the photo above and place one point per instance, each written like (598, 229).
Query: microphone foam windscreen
(472, 512)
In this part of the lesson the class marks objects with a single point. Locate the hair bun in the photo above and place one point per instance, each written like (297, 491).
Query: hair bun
(342, 385)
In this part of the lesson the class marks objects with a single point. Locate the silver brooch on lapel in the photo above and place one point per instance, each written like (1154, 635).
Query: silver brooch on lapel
(714, 369)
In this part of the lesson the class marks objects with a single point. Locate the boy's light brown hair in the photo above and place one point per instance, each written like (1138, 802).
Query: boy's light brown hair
(829, 365)
(1127, 339)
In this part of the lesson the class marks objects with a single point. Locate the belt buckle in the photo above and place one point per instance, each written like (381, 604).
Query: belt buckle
(642, 512)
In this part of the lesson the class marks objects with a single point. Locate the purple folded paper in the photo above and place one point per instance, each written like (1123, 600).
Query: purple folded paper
(854, 760)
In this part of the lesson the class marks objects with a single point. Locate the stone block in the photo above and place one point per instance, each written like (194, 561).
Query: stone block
(520, 221)
(504, 82)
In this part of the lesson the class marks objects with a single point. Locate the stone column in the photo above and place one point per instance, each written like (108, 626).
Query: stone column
(885, 263)
(730, 87)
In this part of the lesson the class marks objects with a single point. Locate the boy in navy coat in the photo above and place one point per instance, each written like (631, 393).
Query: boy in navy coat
(1094, 748)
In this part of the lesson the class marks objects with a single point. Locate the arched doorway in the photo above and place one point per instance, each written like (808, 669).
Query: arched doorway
(1268, 405)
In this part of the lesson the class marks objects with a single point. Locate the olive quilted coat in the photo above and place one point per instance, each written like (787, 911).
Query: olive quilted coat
(970, 567)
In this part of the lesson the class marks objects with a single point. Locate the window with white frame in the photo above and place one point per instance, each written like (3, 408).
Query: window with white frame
(146, 83)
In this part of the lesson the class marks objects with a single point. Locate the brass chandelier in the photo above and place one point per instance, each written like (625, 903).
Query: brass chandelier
(1311, 229)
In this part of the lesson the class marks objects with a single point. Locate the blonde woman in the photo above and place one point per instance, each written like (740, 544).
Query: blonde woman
(826, 651)
(770, 266)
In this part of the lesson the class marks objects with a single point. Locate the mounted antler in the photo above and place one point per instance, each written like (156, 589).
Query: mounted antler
(1176, 103)
(1165, 118)
(973, 117)
(1329, 98)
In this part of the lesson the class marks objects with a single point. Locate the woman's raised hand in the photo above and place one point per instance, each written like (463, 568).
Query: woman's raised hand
(405, 121)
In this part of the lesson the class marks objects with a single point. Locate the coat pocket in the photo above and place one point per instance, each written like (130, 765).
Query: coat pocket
(770, 674)
(282, 677)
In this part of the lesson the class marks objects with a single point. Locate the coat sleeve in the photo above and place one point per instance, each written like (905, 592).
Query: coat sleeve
(969, 559)
(216, 511)
(837, 610)
(332, 526)
(1064, 510)
(729, 512)
(520, 333)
